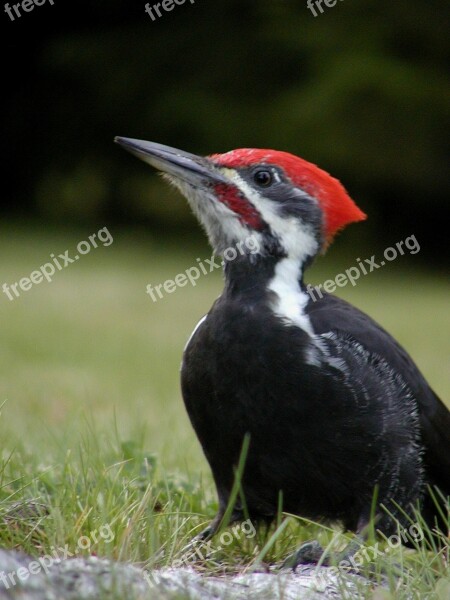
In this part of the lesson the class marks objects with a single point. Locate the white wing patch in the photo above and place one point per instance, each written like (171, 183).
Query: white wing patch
(194, 332)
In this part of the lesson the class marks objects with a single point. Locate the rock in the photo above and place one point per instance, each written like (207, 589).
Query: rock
(26, 578)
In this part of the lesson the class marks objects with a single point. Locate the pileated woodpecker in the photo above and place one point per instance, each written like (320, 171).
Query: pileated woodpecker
(334, 406)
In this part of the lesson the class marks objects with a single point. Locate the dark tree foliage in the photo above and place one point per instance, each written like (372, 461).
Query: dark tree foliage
(360, 89)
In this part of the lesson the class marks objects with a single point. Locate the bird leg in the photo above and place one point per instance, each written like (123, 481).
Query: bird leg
(212, 529)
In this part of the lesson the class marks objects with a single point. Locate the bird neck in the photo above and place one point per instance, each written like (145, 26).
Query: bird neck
(273, 288)
(254, 277)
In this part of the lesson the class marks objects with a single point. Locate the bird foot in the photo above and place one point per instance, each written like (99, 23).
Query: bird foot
(196, 541)
(309, 553)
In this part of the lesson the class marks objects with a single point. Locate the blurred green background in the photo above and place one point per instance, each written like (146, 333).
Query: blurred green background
(361, 89)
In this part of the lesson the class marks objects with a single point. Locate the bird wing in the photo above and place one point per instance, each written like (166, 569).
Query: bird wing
(332, 314)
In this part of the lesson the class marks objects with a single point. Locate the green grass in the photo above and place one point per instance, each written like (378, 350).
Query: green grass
(93, 428)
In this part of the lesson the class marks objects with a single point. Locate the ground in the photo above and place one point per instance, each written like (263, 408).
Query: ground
(98, 456)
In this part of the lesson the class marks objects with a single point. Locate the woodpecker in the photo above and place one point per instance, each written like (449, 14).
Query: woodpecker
(334, 408)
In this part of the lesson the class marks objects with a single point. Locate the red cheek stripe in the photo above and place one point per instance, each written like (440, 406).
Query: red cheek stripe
(338, 207)
(235, 200)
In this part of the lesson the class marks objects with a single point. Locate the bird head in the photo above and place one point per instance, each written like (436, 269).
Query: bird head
(292, 207)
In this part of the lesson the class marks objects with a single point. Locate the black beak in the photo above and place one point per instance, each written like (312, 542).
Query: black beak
(194, 170)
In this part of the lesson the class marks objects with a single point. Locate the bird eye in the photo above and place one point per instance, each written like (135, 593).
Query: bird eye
(263, 178)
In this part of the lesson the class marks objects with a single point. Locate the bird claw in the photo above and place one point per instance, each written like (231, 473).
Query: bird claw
(196, 541)
(203, 536)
